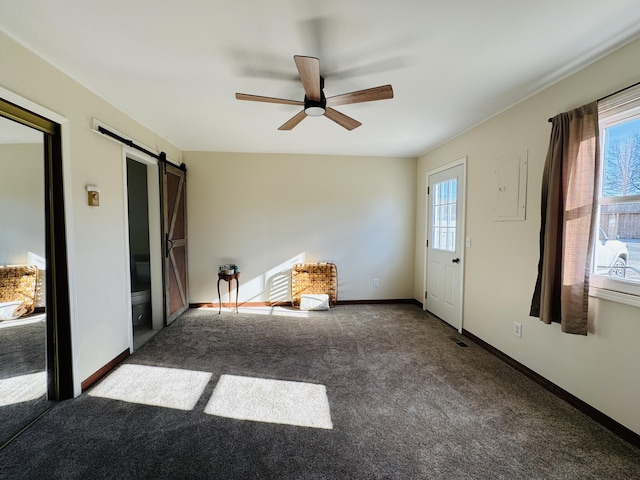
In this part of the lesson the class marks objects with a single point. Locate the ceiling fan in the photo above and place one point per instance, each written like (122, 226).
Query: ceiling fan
(315, 104)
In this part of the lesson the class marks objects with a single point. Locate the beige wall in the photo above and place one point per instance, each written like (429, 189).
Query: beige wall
(500, 272)
(21, 202)
(265, 212)
(364, 214)
(98, 241)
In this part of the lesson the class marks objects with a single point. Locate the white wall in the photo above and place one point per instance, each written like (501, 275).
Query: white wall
(21, 202)
(100, 236)
(265, 212)
(602, 369)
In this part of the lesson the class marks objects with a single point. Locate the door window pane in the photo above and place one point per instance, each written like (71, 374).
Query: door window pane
(443, 218)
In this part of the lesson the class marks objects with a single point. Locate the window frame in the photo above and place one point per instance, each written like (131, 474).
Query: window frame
(614, 110)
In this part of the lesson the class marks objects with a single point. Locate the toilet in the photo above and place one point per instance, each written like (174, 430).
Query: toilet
(141, 292)
(140, 304)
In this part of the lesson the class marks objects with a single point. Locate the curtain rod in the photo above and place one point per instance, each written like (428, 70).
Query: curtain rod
(611, 94)
(162, 156)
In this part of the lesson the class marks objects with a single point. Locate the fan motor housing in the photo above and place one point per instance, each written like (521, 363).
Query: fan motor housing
(316, 108)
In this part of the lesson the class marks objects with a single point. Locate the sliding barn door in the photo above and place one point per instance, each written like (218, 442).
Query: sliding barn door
(174, 204)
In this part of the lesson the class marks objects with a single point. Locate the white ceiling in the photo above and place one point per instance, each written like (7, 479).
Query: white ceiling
(175, 65)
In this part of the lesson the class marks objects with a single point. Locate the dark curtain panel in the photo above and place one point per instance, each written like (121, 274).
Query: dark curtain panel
(569, 201)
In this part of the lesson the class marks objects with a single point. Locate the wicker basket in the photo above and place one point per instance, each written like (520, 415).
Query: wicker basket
(314, 278)
(18, 283)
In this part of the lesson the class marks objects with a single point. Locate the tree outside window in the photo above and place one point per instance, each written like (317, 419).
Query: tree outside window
(617, 249)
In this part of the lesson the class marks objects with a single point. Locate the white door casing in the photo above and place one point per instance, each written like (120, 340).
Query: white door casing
(156, 256)
(444, 256)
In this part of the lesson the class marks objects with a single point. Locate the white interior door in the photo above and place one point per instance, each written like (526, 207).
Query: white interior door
(445, 224)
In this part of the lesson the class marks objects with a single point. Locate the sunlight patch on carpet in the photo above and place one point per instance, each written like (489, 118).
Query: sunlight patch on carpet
(262, 311)
(156, 386)
(271, 401)
(22, 388)
(279, 311)
(19, 322)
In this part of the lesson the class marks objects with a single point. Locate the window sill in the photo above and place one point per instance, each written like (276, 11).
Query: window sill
(611, 295)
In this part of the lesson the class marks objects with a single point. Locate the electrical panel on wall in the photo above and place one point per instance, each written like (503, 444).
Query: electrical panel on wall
(510, 182)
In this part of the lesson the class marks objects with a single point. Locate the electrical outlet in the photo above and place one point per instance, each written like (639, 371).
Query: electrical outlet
(468, 242)
(375, 282)
(517, 329)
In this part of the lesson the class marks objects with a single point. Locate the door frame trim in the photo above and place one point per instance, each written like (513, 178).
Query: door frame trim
(463, 203)
(67, 194)
(155, 236)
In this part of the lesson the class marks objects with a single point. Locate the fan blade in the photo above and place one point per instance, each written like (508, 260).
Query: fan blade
(341, 119)
(258, 98)
(309, 70)
(368, 95)
(293, 121)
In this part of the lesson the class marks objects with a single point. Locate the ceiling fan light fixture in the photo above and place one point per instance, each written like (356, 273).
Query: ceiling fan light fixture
(314, 111)
(315, 108)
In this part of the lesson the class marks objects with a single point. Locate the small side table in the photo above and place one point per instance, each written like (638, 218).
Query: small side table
(228, 278)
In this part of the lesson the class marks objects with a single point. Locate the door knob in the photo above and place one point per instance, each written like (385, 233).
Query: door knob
(455, 260)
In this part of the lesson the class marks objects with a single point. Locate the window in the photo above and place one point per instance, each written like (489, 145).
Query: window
(616, 259)
(444, 215)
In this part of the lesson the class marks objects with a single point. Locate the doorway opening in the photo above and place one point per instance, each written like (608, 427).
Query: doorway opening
(139, 252)
(35, 336)
(23, 332)
(144, 224)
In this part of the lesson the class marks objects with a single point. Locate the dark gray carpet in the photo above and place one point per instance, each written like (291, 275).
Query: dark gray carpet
(22, 353)
(406, 402)
(22, 347)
